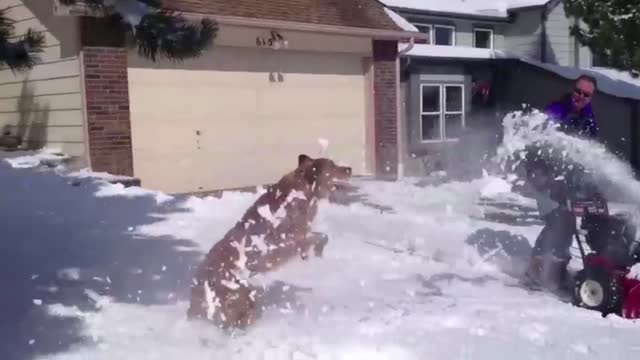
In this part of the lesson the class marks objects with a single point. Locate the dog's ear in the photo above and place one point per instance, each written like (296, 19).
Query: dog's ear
(304, 159)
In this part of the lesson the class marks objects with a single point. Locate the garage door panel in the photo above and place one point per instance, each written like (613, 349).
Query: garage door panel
(201, 103)
(282, 102)
(216, 129)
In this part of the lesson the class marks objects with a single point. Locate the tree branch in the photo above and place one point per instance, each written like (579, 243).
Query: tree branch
(21, 54)
(155, 30)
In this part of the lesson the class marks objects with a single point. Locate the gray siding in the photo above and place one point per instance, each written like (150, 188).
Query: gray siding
(560, 43)
(523, 36)
(463, 28)
(44, 106)
(584, 57)
(563, 49)
(420, 156)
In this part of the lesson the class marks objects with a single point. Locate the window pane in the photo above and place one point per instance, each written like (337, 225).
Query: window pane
(426, 30)
(430, 127)
(444, 36)
(430, 98)
(453, 98)
(452, 126)
(482, 39)
(599, 60)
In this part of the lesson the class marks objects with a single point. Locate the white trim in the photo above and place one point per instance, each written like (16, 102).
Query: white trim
(439, 112)
(85, 114)
(490, 31)
(445, 112)
(453, 33)
(442, 112)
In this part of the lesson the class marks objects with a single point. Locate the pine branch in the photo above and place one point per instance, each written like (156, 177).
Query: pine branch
(22, 54)
(164, 34)
(612, 30)
(155, 30)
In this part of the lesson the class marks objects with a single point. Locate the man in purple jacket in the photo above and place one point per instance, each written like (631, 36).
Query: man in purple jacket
(550, 257)
(573, 111)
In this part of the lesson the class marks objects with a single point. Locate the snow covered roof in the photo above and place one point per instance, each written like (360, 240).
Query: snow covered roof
(610, 81)
(461, 52)
(400, 21)
(488, 8)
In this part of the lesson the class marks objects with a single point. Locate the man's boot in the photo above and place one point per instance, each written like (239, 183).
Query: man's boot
(556, 276)
(533, 275)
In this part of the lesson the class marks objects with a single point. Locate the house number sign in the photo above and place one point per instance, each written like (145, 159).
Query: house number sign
(275, 39)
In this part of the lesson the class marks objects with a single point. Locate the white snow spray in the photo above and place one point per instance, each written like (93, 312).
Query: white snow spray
(523, 129)
(324, 144)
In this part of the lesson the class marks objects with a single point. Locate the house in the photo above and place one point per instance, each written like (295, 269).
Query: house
(484, 58)
(284, 77)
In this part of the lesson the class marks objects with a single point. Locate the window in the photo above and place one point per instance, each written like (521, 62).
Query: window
(598, 60)
(441, 112)
(483, 38)
(426, 29)
(444, 35)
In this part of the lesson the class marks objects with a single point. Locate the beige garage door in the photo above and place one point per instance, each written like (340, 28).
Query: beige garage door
(241, 116)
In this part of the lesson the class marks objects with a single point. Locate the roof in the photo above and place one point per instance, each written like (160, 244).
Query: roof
(614, 82)
(610, 81)
(482, 8)
(400, 21)
(352, 13)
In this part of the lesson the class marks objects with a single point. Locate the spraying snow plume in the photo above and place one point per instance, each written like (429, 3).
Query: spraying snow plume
(524, 129)
(324, 144)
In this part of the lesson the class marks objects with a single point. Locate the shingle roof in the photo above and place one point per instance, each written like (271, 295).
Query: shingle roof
(350, 13)
(488, 8)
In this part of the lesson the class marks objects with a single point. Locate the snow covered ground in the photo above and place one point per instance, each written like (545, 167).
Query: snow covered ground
(93, 270)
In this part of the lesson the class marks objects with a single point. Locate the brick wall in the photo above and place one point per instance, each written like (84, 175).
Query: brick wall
(107, 102)
(385, 107)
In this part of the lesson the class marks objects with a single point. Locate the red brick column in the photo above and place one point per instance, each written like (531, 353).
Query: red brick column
(106, 89)
(385, 96)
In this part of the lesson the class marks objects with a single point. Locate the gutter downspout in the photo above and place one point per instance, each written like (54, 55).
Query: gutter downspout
(543, 36)
(576, 45)
(400, 113)
(635, 146)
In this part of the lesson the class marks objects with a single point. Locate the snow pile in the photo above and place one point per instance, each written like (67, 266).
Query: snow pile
(465, 52)
(88, 174)
(46, 156)
(495, 188)
(109, 189)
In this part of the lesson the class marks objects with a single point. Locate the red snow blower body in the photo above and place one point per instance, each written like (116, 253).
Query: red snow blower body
(604, 284)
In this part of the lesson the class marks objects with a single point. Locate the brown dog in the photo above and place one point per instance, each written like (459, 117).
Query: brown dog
(274, 230)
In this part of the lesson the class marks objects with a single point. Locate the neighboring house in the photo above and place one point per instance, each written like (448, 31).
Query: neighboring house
(483, 58)
(44, 106)
(284, 77)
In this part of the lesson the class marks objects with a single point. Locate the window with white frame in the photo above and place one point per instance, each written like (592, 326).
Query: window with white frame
(426, 29)
(444, 35)
(483, 38)
(441, 112)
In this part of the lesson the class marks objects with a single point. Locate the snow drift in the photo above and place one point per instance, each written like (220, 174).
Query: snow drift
(96, 273)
